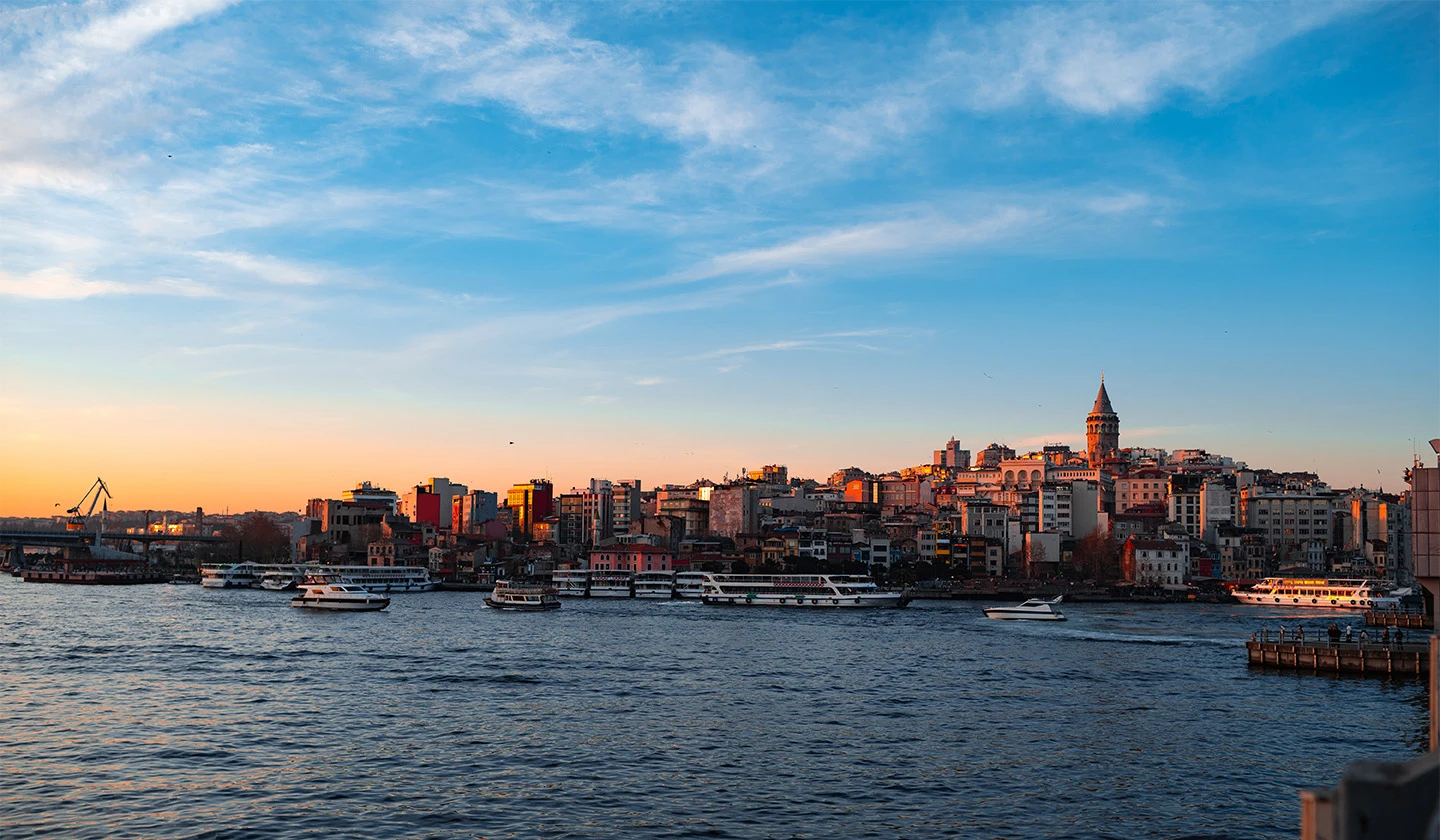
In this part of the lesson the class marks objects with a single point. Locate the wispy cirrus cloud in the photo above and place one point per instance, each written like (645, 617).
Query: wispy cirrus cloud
(60, 284)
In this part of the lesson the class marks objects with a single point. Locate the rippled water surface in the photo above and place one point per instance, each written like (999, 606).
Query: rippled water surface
(173, 711)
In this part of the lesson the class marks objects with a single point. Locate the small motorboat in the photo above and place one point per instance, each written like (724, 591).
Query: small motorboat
(1034, 609)
(337, 595)
(523, 597)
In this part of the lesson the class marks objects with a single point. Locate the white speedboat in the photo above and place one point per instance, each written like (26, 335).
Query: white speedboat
(523, 597)
(837, 591)
(337, 595)
(1034, 609)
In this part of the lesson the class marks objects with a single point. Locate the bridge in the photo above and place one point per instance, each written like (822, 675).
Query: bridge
(13, 541)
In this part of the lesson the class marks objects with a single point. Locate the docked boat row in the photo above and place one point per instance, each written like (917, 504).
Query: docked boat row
(284, 577)
(819, 591)
(603, 583)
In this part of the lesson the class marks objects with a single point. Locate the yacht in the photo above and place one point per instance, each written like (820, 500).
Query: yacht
(1318, 593)
(329, 593)
(689, 584)
(1034, 609)
(797, 591)
(523, 597)
(654, 584)
(228, 575)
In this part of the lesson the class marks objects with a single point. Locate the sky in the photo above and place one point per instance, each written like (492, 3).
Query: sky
(254, 253)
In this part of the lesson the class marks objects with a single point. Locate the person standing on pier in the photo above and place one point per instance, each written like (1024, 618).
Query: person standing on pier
(1349, 634)
(1333, 633)
(1385, 636)
(1399, 636)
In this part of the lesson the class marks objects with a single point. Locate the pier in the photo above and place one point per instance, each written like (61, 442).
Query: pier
(1408, 619)
(1373, 658)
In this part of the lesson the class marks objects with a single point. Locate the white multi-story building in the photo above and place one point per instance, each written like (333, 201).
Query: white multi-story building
(1288, 517)
(1156, 562)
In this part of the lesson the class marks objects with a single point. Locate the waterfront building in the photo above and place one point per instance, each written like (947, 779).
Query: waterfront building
(367, 494)
(570, 510)
(528, 503)
(1288, 517)
(1183, 491)
(1151, 562)
(1140, 487)
(953, 456)
(1102, 429)
(597, 507)
(693, 511)
(1217, 506)
(991, 456)
(433, 502)
(636, 557)
(470, 512)
(734, 510)
(625, 504)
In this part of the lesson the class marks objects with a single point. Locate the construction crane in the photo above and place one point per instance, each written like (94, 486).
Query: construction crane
(77, 520)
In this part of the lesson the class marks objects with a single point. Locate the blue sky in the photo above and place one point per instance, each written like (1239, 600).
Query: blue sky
(251, 253)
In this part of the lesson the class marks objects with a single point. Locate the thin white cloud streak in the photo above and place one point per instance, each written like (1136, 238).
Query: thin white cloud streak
(271, 269)
(58, 284)
(904, 236)
(824, 342)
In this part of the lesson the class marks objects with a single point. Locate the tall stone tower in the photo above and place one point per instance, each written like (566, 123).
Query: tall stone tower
(1102, 429)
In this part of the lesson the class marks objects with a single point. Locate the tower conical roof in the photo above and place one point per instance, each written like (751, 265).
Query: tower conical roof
(1102, 402)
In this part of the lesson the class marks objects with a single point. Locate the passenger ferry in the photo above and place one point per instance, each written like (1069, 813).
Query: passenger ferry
(654, 584)
(571, 583)
(523, 597)
(1318, 593)
(384, 578)
(689, 585)
(797, 591)
(228, 575)
(611, 584)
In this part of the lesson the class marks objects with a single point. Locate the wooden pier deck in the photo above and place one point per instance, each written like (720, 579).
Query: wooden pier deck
(1411, 659)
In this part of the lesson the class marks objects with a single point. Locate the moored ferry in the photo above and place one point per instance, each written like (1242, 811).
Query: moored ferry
(384, 578)
(827, 591)
(611, 584)
(654, 584)
(1318, 593)
(523, 597)
(571, 583)
(228, 575)
(689, 585)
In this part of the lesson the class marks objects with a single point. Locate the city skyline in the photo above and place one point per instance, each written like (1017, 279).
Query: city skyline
(252, 253)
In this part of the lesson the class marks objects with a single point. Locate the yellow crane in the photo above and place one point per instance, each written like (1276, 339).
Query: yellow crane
(77, 521)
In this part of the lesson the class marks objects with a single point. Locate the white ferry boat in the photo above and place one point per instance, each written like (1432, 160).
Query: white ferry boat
(1318, 593)
(329, 594)
(523, 597)
(280, 580)
(228, 575)
(571, 583)
(654, 584)
(689, 584)
(611, 584)
(798, 591)
(383, 578)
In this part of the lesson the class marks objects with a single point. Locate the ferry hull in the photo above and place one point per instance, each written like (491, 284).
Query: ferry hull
(369, 605)
(1265, 600)
(887, 600)
(521, 607)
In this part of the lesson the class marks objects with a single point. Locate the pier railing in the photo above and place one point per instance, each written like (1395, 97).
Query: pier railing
(1366, 654)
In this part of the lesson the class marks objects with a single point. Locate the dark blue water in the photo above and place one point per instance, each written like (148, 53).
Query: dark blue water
(172, 711)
